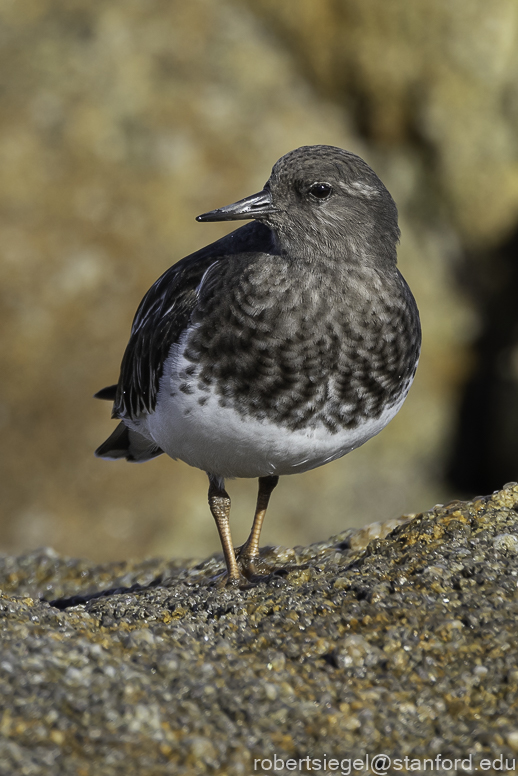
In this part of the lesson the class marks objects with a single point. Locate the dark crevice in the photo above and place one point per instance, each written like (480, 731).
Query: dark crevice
(485, 451)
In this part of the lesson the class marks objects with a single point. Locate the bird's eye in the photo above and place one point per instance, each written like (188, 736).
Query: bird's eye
(321, 190)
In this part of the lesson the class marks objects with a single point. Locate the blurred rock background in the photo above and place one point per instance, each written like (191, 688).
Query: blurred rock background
(120, 121)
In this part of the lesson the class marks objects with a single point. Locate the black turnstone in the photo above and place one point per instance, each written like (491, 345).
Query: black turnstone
(281, 347)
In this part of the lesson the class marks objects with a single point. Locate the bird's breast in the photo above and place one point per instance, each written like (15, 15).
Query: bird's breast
(332, 350)
(284, 378)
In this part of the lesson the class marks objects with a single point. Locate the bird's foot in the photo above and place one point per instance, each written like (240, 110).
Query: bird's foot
(251, 571)
(254, 568)
(223, 579)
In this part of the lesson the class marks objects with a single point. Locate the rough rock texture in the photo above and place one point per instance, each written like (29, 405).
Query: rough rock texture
(404, 645)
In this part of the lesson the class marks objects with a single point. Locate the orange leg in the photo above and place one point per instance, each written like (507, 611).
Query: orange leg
(219, 503)
(250, 549)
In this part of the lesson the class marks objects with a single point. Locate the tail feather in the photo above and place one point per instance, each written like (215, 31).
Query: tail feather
(108, 394)
(128, 444)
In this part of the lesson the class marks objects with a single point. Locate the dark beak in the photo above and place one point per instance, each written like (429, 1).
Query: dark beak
(256, 206)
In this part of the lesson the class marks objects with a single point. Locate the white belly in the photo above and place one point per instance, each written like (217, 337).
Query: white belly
(219, 440)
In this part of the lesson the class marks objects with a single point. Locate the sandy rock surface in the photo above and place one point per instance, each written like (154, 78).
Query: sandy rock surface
(404, 645)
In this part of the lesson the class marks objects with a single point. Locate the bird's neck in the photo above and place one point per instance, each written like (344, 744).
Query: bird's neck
(358, 248)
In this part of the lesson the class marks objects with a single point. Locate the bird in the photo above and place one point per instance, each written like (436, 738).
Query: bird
(278, 348)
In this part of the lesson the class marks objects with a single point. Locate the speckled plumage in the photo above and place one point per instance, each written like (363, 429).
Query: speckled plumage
(281, 346)
(270, 359)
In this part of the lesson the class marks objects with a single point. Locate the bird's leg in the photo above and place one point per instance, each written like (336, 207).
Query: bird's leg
(219, 503)
(248, 554)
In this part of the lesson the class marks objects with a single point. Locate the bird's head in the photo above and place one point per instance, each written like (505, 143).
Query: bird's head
(323, 201)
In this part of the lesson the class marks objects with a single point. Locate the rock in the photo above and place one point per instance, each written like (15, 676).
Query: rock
(414, 650)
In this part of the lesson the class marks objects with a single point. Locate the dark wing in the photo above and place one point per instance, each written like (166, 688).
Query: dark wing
(165, 312)
(161, 318)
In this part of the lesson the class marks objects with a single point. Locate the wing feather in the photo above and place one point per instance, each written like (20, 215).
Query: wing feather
(165, 312)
